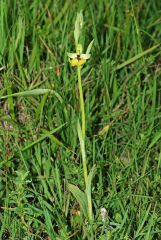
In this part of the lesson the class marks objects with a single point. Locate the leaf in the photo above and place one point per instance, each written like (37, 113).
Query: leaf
(79, 48)
(133, 59)
(155, 139)
(88, 192)
(89, 47)
(142, 222)
(33, 92)
(42, 137)
(78, 27)
(89, 180)
(39, 111)
(48, 223)
(81, 198)
(10, 99)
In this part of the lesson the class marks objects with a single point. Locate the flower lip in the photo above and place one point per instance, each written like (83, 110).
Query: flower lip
(78, 59)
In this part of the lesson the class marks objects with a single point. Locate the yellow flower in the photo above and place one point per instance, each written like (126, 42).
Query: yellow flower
(77, 60)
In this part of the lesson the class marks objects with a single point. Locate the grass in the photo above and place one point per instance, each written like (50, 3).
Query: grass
(40, 152)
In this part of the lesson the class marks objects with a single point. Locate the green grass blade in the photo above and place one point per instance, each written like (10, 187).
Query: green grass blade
(143, 221)
(33, 92)
(43, 137)
(155, 139)
(138, 56)
(10, 97)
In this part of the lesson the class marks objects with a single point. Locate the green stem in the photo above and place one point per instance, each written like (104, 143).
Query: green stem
(82, 130)
(81, 102)
(83, 151)
(82, 142)
(90, 211)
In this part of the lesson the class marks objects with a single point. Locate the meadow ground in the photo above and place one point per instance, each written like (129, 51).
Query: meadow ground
(40, 146)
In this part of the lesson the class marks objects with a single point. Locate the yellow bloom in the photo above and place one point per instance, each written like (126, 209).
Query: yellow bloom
(77, 60)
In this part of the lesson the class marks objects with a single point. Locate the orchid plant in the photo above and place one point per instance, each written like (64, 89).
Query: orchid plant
(78, 59)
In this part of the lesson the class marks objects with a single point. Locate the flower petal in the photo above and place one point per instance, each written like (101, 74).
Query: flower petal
(72, 55)
(89, 47)
(85, 56)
